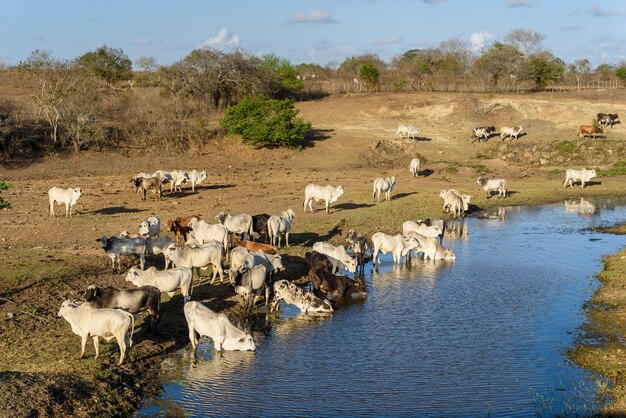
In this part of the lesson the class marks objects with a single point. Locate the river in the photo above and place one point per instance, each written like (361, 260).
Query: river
(483, 335)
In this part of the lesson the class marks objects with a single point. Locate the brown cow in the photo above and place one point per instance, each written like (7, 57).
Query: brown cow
(255, 246)
(589, 130)
(337, 286)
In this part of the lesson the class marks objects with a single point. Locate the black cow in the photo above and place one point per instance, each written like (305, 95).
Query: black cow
(132, 300)
(608, 119)
(259, 225)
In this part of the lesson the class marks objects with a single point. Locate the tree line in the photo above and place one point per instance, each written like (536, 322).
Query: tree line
(96, 100)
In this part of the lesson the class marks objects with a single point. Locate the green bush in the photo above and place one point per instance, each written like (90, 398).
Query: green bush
(264, 122)
(3, 203)
(565, 148)
(619, 169)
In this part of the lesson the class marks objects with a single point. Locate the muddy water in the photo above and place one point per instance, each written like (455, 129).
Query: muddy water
(483, 335)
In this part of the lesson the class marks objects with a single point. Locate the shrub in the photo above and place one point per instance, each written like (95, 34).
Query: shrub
(619, 169)
(481, 169)
(3, 203)
(264, 122)
(565, 148)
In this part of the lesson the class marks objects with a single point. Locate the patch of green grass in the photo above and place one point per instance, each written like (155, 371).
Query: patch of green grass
(453, 168)
(481, 169)
(619, 168)
(481, 156)
(566, 148)
(554, 171)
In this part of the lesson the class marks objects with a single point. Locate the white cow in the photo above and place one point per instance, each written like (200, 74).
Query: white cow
(420, 228)
(277, 225)
(67, 196)
(383, 184)
(395, 244)
(328, 194)
(249, 282)
(159, 245)
(200, 257)
(175, 178)
(238, 224)
(490, 185)
(431, 248)
(196, 177)
(205, 233)
(307, 302)
(217, 327)
(338, 256)
(454, 202)
(414, 167)
(241, 258)
(87, 321)
(165, 280)
(512, 132)
(572, 175)
(408, 130)
(151, 227)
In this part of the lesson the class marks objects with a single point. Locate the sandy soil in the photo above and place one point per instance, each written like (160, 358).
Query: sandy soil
(48, 259)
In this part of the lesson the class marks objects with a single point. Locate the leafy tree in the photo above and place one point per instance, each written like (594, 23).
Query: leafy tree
(499, 61)
(370, 74)
(620, 72)
(283, 77)
(418, 66)
(351, 67)
(544, 67)
(110, 64)
(265, 122)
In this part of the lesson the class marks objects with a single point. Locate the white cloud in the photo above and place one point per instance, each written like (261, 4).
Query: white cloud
(520, 3)
(315, 16)
(223, 40)
(144, 41)
(596, 11)
(479, 39)
(389, 40)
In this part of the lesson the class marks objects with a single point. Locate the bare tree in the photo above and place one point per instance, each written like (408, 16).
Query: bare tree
(147, 64)
(525, 41)
(57, 82)
(580, 68)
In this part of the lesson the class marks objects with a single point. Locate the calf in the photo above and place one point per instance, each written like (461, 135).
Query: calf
(573, 175)
(165, 280)
(259, 225)
(87, 321)
(482, 133)
(255, 246)
(510, 132)
(338, 256)
(114, 247)
(359, 245)
(607, 119)
(414, 167)
(252, 281)
(200, 257)
(277, 225)
(132, 300)
(148, 183)
(328, 194)
(204, 322)
(395, 244)
(589, 130)
(291, 294)
(490, 185)
(178, 230)
(67, 196)
(383, 184)
(336, 286)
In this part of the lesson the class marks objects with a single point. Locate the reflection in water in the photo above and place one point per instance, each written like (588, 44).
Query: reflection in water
(495, 213)
(483, 335)
(582, 207)
(456, 229)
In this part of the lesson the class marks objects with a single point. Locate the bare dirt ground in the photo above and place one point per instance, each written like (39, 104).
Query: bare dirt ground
(46, 260)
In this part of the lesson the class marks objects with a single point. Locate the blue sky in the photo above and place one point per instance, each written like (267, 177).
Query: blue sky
(305, 31)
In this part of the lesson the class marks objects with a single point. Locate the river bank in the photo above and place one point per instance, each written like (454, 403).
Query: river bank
(47, 260)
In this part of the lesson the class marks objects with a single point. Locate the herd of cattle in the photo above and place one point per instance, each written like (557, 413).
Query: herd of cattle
(108, 312)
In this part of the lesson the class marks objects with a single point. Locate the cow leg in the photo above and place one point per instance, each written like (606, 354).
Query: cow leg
(142, 261)
(121, 342)
(67, 209)
(287, 238)
(192, 336)
(327, 205)
(83, 344)
(96, 345)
